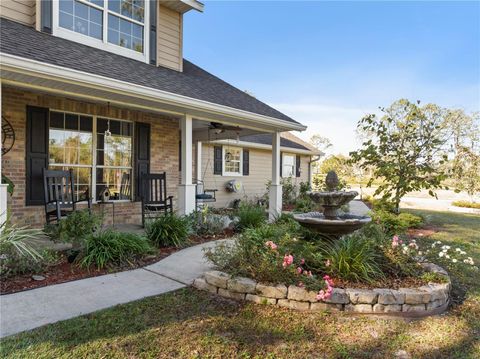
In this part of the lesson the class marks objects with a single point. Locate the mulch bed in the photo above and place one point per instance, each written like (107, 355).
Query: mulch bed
(66, 272)
(390, 283)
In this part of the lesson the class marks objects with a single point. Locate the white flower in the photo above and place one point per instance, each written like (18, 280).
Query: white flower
(433, 245)
(438, 242)
(454, 260)
(441, 254)
(458, 249)
(445, 250)
(447, 256)
(420, 253)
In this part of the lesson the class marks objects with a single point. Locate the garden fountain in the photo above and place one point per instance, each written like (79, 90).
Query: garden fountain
(331, 221)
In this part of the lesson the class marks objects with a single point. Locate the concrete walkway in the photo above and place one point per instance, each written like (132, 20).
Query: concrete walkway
(34, 308)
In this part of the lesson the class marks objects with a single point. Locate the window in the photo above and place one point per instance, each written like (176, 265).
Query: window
(232, 161)
(288, 165)
(114, 25)
(100, 161)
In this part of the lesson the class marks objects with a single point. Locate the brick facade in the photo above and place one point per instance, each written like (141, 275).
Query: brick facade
(165, 138)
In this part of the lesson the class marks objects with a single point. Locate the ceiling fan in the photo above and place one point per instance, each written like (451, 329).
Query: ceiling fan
(221, 128)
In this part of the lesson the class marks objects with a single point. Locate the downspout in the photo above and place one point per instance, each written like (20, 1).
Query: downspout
(310, 174)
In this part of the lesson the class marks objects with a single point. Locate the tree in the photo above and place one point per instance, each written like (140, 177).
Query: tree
(320, 142)
(404, 147)
(465, 142)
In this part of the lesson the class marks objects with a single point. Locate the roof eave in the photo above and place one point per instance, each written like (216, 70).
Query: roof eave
(14, 63)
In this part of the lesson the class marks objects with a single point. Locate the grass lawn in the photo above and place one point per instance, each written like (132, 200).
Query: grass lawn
(192, 324)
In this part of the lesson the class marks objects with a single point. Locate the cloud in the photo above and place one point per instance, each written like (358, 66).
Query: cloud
(335, 122)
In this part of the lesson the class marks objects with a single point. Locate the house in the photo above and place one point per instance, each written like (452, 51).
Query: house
(101, 87)
(246, 162)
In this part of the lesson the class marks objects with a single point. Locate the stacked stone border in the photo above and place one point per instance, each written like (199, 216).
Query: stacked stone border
(405, 302)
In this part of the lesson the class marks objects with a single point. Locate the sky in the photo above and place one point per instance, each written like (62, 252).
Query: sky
(327, 64)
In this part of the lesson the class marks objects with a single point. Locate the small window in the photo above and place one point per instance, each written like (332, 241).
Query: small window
(288, 165)
(232, 161)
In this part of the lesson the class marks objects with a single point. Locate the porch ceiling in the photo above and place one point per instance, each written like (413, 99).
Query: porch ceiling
(47, 78)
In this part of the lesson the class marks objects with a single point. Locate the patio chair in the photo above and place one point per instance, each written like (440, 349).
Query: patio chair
(154, 196)
(60, 195)
(204, 195)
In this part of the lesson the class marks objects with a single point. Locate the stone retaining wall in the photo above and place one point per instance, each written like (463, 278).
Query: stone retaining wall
(407, 302)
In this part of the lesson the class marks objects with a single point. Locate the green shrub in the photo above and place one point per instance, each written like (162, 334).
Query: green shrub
(75, 228)
(396, 223)
(250, 215)
(304, 204)
(353, 257)
(169, 230)
(110, 247)
(17, 255)
(205, 222)
(380, 204)
(466, 204)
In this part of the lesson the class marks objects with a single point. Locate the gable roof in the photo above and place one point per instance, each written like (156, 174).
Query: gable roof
(194, 82)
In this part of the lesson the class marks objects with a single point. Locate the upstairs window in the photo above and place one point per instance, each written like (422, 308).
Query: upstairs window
(113, 25)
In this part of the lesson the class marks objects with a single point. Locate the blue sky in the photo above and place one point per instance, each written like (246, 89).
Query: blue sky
(326, 64)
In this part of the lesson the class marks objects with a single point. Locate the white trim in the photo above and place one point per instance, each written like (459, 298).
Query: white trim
(104, 44)
(23, 65)
(261, 146)
(232, 174)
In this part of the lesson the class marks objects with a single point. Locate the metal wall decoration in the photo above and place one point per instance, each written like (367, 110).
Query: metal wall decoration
(8, 136)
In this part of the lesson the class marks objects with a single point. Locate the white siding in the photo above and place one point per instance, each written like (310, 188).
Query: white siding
(169, 38)
(22, 11)
(254, 185)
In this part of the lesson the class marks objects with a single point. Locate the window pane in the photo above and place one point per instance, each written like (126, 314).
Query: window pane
(137, 31)
(82, 18)
(116, 180)
(113, 22)
(125, 27)
(86, 123)
(96, 16)
(71, 121)
(66, 6)
(81, 10)
(66, 21)
(126, 8)
(81, 179)
(113, 37)
(114, 5)
(97, 2)
(56, 119)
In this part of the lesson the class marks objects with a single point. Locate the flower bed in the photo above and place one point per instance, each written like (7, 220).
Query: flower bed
(422, 301)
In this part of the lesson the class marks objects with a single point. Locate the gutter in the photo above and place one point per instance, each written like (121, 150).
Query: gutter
(54, 72)
(260, 146)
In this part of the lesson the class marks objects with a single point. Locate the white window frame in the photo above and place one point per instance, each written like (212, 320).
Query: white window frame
(232, 174)
(94, 165)
(104, 44)
(294, 173)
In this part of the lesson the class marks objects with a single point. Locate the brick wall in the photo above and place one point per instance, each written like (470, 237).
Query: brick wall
(164, 150)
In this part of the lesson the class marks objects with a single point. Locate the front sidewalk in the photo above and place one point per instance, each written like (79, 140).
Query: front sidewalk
(33, 308)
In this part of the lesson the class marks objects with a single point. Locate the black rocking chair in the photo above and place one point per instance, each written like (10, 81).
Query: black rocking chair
(203, 195)
(60, 195)
(154, 196)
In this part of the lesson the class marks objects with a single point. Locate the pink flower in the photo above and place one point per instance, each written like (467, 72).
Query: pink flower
(308, 273)
(327, 263)
(396, 241)
(302, 261)
(299, 270)
(325, 294)
(270, 244)
(287, 260)
(300, 285)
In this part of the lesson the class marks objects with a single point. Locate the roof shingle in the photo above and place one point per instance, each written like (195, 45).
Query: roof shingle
(193, 82)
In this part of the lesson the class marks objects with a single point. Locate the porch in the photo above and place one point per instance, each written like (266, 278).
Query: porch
(173, 145)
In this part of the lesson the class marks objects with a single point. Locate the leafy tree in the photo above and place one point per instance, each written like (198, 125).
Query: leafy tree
(320, 142)
(464, 131)
(404, 147)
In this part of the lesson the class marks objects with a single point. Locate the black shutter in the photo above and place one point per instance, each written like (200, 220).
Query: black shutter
(153, 32)
(246, 162)
(36, 154)
(142, 155)
(180, 155)
(281, 164)
(297, 166)
(217, 160)
(46, 14)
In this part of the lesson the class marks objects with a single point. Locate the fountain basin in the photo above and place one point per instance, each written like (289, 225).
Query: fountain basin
(341, 225)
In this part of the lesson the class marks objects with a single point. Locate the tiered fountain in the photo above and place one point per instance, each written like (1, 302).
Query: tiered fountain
(331, 221)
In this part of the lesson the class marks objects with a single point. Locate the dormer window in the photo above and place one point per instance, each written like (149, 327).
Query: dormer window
(113, 25)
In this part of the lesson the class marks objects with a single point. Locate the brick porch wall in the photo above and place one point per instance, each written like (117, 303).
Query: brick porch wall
(164, 150)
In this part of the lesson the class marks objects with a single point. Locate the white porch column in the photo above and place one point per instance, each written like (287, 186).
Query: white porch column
(186, 190)
(198, 164)
(275, 195)
(3, 187)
